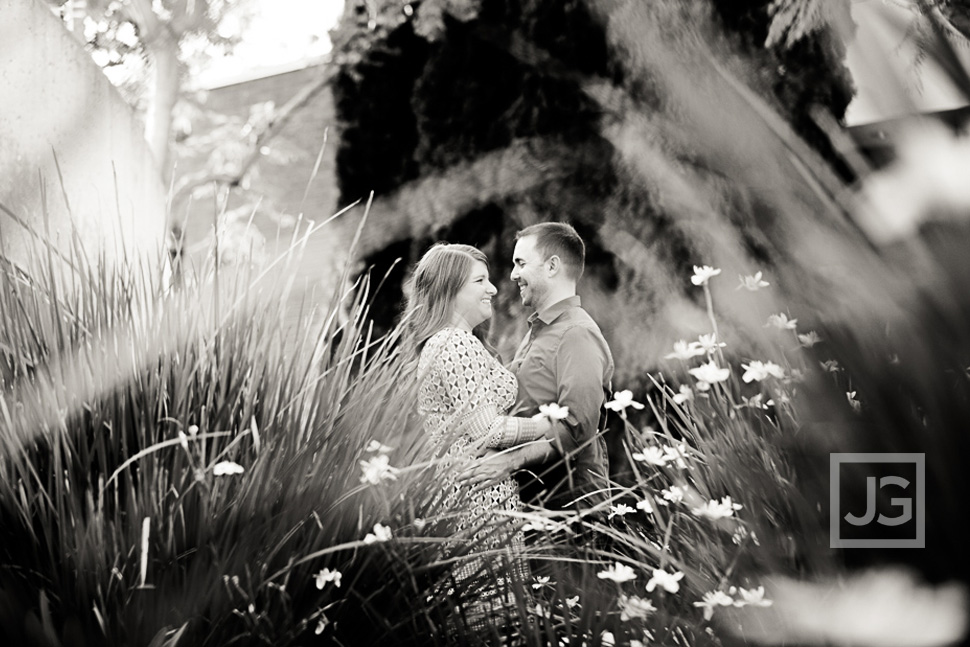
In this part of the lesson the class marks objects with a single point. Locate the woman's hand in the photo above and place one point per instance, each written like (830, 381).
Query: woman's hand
(491, 468)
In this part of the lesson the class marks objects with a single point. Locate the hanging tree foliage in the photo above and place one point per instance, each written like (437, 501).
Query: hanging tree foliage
(472, 118)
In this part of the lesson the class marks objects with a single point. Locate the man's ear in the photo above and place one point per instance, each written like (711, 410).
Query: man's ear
(555, 265)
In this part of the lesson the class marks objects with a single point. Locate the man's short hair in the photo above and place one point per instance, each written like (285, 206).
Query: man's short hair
(559, 239)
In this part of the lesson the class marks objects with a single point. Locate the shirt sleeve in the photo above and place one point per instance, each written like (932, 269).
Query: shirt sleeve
(464, 365)
(583, 366)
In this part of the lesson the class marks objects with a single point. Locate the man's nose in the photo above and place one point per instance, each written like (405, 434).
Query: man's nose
(515, 274)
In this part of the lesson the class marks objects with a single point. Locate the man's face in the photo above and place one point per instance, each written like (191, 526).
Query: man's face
(528, 272)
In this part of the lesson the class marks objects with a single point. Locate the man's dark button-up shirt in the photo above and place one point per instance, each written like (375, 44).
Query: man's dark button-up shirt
(565, 360)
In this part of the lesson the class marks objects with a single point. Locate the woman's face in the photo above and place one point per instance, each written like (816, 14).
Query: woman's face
(473, 303)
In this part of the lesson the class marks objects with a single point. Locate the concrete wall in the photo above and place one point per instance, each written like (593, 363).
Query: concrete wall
(54, 99)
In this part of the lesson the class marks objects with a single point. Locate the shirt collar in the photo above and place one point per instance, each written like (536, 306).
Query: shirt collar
(552, 312)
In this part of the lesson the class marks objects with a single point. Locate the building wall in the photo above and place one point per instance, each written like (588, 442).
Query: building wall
(54, 101)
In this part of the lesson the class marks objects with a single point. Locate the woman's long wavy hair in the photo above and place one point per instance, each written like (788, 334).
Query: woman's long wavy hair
(434, 284)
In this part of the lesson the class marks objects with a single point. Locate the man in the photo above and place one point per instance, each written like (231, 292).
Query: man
(564, 360)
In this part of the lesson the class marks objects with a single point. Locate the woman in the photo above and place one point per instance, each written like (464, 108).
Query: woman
(463, 393)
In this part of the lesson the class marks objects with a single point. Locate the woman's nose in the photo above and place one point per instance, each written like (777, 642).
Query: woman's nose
(491, 289)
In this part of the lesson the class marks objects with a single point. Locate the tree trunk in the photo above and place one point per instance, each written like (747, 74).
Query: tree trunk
(165, 87)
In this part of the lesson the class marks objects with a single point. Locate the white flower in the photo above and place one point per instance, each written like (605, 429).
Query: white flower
(607, 639)
(714, 599)
(717, 510)
(553, 411)
(326, 575)
(377, 469)
(541, 523)
(709, 343)
(830, 366)
(542, 611)
(184, 441)
(758, 371)
(380, 534)
(321, 625)
(620, 510)
(677, 454)
(752, 597)
(809, 339)
(619, 572)
(645, 506)
(621, 400)
(376, 446)
(193, 430)
(683, 350)
(227, 468)
(756, 402)
(709, 373)
(674, 494)
(752, 283)
(684, 395)
(634, 607)
(572, 602)
(781, 322)
(670, 582)
(703, 274)
(855, 404)
(652, 455)
(540, 581)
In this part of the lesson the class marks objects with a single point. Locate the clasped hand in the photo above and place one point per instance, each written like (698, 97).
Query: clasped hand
(489, 467)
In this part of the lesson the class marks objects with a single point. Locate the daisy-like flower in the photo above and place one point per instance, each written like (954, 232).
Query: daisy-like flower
(809, 339)
(685, 393)
(830, 366)
(653, 455)
(752, 283)
(684, 351)
(677, 454)
(620, 510)
(709, 373)
(781, 321)
(321, 624)
(619, 572)
(326, 575)
(717, 510)
(553, 411)
(670, 582)
(377, 446)
(758, 371)
(633, 607)
(380, 534)
(621, 400)
(703, 274)
(714, 599)
(227, 468)
(709, 343)
(674, 494)
(540, 581)
(572, 602)
(644, 505)
(751, 597)
(377, 469)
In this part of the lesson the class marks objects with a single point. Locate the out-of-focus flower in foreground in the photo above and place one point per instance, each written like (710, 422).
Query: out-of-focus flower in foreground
(377, 446)
(377, 469)
(717, 509)
(326, 575)
(685, 351)
(781, 322)
(632, 607)
(381, 533)
(708, 374)
(553, 411)
(618, 572)
(227, 468)
(621, 400)
(670, 582)
(758, 371)
(713, 599)
(652, 455)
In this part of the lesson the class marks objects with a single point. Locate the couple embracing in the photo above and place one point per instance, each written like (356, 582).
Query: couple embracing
(481, 416)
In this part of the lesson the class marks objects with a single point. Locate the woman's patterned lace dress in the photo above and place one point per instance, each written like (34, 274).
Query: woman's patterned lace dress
(462, 394)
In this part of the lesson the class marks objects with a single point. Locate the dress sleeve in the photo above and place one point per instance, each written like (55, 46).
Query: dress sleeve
(464, 367)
